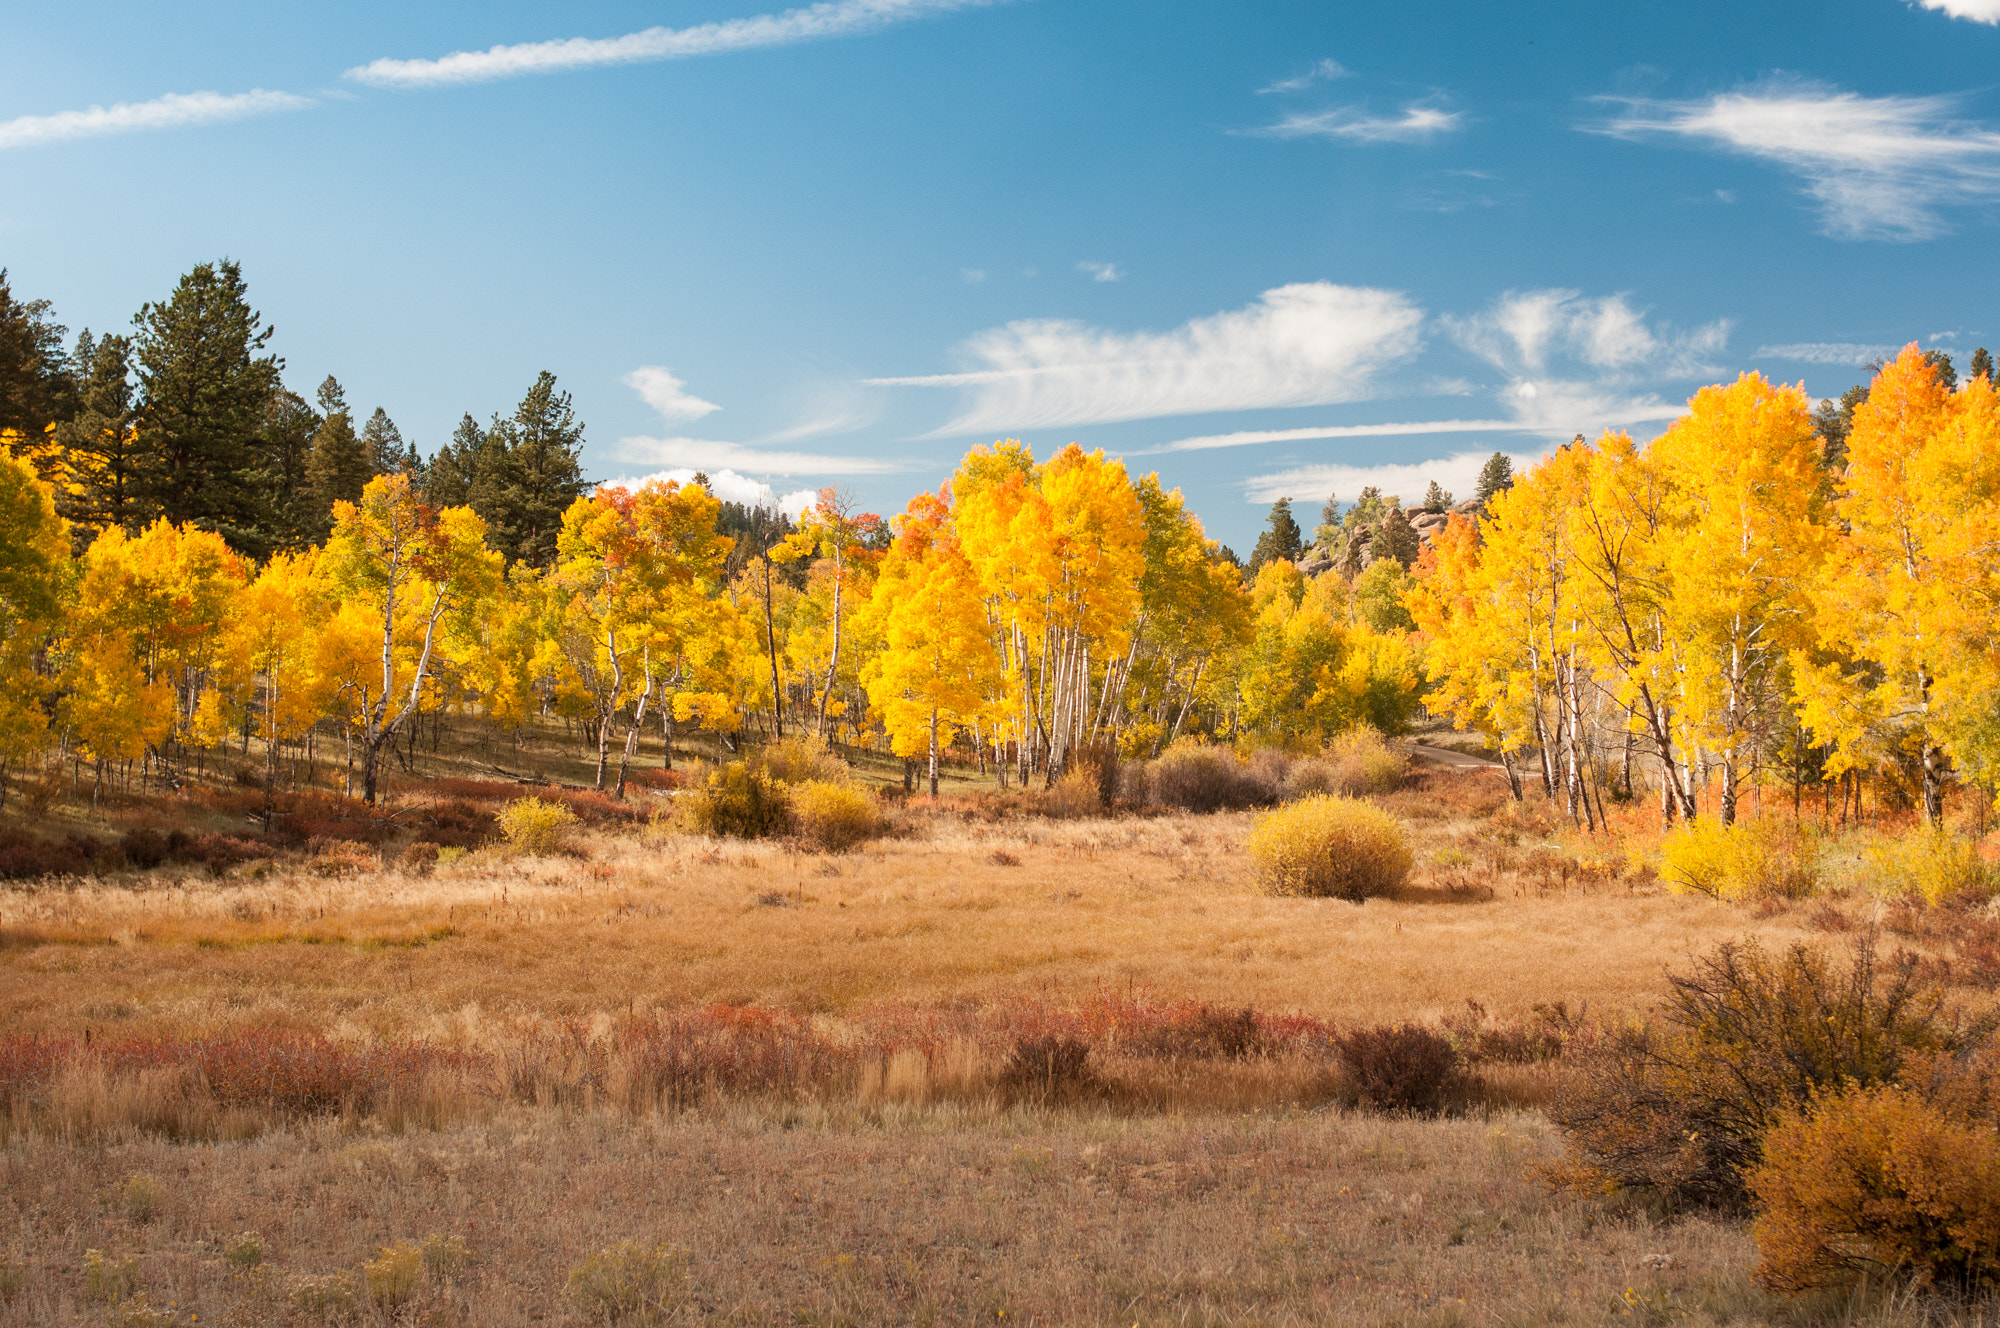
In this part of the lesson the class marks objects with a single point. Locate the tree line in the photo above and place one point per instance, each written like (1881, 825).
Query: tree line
(186, 417)
(1765, 592)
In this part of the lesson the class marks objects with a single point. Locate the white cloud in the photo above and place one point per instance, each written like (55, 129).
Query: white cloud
(1881, 168)
(1101, 271)
(1324, 71)
(667, 394)
(1309, 344)
(1457, 473)
(711, 456)
(1351, 122)
(731, 487)
(1580, 365)
(836, 18)
(1979, 11)
(1252, 437)
(173, 111)
(972, 276)
(1827, 352)
(1523, 330)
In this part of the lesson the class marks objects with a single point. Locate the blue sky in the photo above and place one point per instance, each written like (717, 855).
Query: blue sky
(1266, 248)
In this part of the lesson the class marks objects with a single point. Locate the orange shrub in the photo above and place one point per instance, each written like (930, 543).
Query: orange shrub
(1875, 1181)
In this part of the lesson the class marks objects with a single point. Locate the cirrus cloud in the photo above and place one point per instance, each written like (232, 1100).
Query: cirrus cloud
(835, 18)
(1417, 122)
(175, 110)
(1308, 344)
(1880, 168)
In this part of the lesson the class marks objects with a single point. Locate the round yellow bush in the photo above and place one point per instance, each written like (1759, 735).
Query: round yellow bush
(834, 816)
(1330, 847)
(533, 826)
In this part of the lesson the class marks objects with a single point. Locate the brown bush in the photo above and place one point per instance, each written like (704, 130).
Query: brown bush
(26, 858)
(1682, 1108)
(1048, 1070)
(1200, 778)
(419, 859)
(1400, 1067)
(1205, 1032)
(1891, 1181)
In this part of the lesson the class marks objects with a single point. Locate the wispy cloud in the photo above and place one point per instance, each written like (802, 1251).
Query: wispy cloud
(836, 18)
(1579, 365)
(1308, 344)
(1979, 11)
(1322, 72)
(1827, 352)
(709, 455)
(1101, 271)
(1408, 428)
(1356, 125)
(667, 394)
(1457, 473)
(1881, 168)
(176, 110)
(1524, 330)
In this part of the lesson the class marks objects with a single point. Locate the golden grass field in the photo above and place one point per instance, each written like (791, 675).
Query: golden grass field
(1244, 1199)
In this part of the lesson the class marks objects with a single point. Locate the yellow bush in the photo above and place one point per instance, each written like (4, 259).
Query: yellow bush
(1074, 794)
(628, 1283)
(736, 801)
(803, 760)
(1330, 846)
(533, 826)
(1362, 761)
(1878, 1181)
(834, 816)
(393, 1273)
(1768, 858)
(1928, 864)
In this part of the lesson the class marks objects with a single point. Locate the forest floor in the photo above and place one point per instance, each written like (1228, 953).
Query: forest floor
(1190, 1191)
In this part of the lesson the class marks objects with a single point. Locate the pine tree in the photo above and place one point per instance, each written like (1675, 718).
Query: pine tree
(100, 446)
(35, 386)
(204, 392)
(1982, 364)
(1496, 475)
(290, 426)
(544, 472)
(1329, 522)
(1282, 541)
(382, 444)
(1436, 498)
(446, 480)
(338, 468)
(1832, 422)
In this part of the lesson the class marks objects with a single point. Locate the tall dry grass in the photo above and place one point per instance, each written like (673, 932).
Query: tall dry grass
(954, 909)
(881, 1215)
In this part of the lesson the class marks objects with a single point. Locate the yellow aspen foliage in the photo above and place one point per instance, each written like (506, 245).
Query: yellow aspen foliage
(34, 562)
(1742, 539)
(407, 576)
(936, 664)
(1906, 605)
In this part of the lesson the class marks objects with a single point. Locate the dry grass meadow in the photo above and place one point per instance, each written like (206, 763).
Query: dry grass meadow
(878, 1165)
